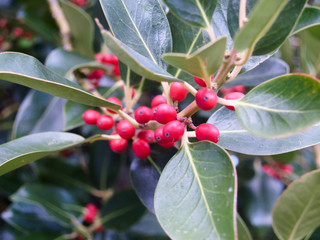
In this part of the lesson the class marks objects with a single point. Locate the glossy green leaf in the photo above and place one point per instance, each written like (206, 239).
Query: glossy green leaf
(55, 201)
(27, 149)
(135, 61)
(203, 63)
(28, 217)
(281, 107)
(195, 196)
(39, 112)
(28, 71)
(297, 211)
(271, 68)
(233, 137)
(122, 210)
(73, 115)
(310, 17)
(260, 21)
(243, 231)
(140, 25)
(148, 226)
(194, 12)
(280, 29)
(81, 28)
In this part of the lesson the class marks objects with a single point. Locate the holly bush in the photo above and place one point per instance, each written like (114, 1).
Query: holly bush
(160, 119)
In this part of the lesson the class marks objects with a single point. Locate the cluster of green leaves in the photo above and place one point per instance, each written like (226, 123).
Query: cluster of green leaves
(195, 196)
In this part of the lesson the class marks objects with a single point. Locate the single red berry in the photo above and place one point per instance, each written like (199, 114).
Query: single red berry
(3, 22)
(90, 117)
(158, 135)
(178, 92)
(125, 129)
(239, 88)
(80, 3)
(147, 135)
(207, 131)
(206, 99)
(90, 213)
(173, 131)
(143, 114)
(114, 100)
(141, 148)
(119, 145)
(17, 32)
(167, 144)
(233, 96)
(110, 59)
(96, 74)
(28, 36)
(287, 169)
(164, 113)
(105, 122)
(157, 100)
(100, 228)
(270, 171)
(200, 81)
(116, 70)
(80, 237)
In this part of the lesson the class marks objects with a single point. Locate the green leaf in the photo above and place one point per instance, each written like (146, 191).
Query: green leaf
(297, 211)
(260, 21)
(135, 61)
(122, 210)
(195, 196)
(243, 231)
(271, 68)
(73, 115)
(28, 71)
(280, 29)
(28, 217)
(81, 28)
(148, 226)
(27, 149)
(39, 112)
(194, 12)
(55, 201)
(281, 107)
(310, 17)
(203, 63)
(140, 25)
(233, 137)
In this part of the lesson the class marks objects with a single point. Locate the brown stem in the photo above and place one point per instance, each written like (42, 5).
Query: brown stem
(191, 109)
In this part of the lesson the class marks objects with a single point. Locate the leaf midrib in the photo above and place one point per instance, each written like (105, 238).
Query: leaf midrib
(204, 16)
(186, 147)
(138, 32)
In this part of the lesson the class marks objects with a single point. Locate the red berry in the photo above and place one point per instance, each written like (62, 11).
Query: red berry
(96, 74)
(90, 213)
(17, 32)
(116, 70)
(173, 131)
(270, 171)
(207, 131)
(239, 88)
(164, 113)
(143, 114)
(158, 135)
(80, 237)
(119, 145)
(157, 100)
(98, 57)
(28, 36)
(125, 129)
(233, 96)
(178, 92)
(167, 145)
(141, 148)
(105, 122)
(200, 81)
(80, 2)
(287, 169)
(90, 117)
(110, 59)
(114, 100)
(206, 99)
(147, 135)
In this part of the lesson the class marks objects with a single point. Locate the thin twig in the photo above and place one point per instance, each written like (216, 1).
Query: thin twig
(242, 13)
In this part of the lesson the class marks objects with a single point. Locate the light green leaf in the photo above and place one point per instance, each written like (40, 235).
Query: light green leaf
(39, 112)
(261, 19)
(203, 63)
(27, 149)
(135, 61)
(235, 138)
(194, 12)
(297, 211)
(243, 231)
(195, 196)
(81, 28)
(28, 71)
(140, 25)
(310, 17)
(281, 107)
(73, 114)
(55, 201)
